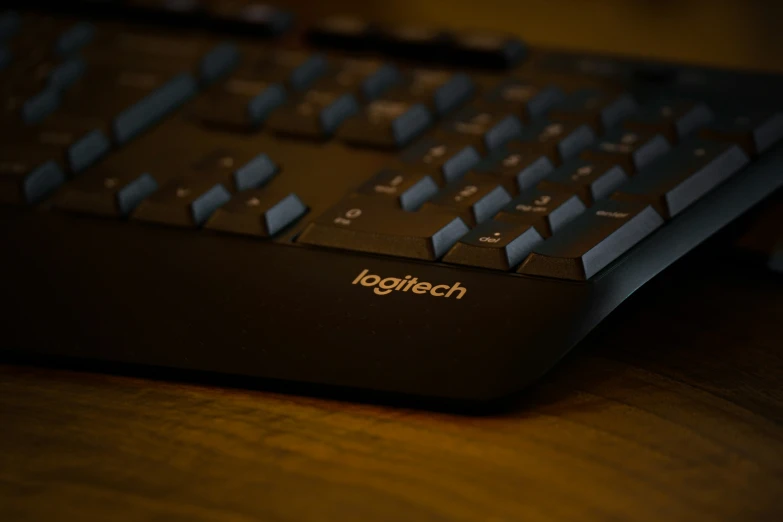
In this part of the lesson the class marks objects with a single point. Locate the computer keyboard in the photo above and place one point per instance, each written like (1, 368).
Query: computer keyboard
(225, 187)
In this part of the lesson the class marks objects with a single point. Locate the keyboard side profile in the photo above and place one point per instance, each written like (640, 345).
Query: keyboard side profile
(199, 242)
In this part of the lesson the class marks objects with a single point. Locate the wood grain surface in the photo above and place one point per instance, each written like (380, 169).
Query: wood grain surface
(672, 411)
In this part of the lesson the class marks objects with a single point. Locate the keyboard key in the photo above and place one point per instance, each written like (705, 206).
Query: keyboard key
(231, 169)
(491, 126)
(631, 150)
(367, 79)
(559, 141)
(519, 170)
(447, 161)
(238, 104)
(756, 133)
(441, 90)
(675, 119)
(495, 245)
(486, 50)
(363, 224)
(155, 106)
(548, 210)
(417, 43)
(341, 32)
(106, 192)
(410, 190)
(677, 181)
(529, 102)
(184, 202)
(257, 213)
(590, 181)
(303, 76)
(386, 124)
(5, 58)
(218, 62)
(66, 74)
(474, 200)
(316, 114)
(82, 141)
(37, 107)
(592, 241)
(26, 175)
(74, 38)
(601, 111)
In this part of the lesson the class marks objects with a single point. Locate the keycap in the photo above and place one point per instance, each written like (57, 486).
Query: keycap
(218, 62)
(152, 108)
(599, 110)
(10, 22)
(528, 101)
(675, 119)
(74, 38)
(490, 125)
(547, 210)
(315, 114)
(106, 191)
(755, 132)
(234, 170)
(341, 32)
(446, 160)
(367, 79)
(363, 224)
(559, 141)
(414, 42)
(239, 104)
(408, 189)
(631, 150)
(185, 202)
(386, 124)
(67, 73)
(5, 58)
(592, 241)
(37, 107)
(495, 245)
(475, 200)
(304, 75)
(516, 170)
(27, 174)
(481, 49)
(257, 213)
(441, 90)
(81, 142)
(589, 180)
(676, 181)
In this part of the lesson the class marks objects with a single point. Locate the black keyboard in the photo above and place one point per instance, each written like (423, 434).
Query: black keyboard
(218, 187)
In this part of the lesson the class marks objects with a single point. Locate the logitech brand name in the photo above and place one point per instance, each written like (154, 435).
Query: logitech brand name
(384, 286)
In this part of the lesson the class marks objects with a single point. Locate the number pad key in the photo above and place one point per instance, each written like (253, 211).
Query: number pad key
(517, 170)
(495, 245)
(183, 202)
(448, 161)
(474, 200)
(559, 141)
(234, 171)
(592, 241)
(528, 101)
(547, 210)
(631, 150)
(677, 181)
(675, 119)
(601, 111)
(257, 213)
(490, 126)
(410, 190)
(362, 224)
(386, 124)
(590, 181)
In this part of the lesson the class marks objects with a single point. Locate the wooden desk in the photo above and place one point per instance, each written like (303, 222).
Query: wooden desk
(672, 411)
